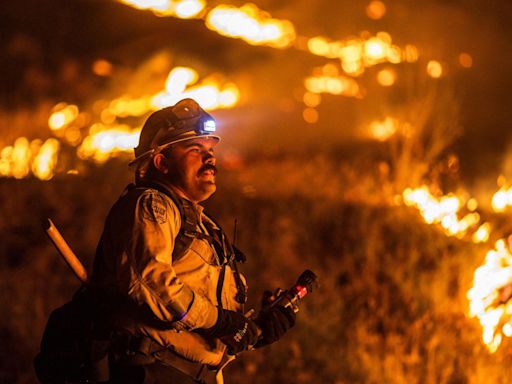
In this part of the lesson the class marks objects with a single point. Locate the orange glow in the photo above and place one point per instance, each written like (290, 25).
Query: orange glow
(375, 50)
(108, 138)
(339, 85)
(384, 37)
(45, 161)
(319, 46)
(159, 7)
(187, 9)
(312, 99)
(310, 115)
(229, 96)
(184, 9)
(472, 204)
(105, 142)
(252, 25)
(102, 67)
(376, 10)
(179, 78)
(125, 106)
(210, 93)
(386, 77)
(357, 54)
(411, 53)
(442, 211)
(23, 157)
(434, 69)
(330, 70)
(489, 297)
(209, 96)
(382, 130)
(465, 60)
(482, 233)
(20, 158)
(502, 199)
(73, 136)
(62, 116)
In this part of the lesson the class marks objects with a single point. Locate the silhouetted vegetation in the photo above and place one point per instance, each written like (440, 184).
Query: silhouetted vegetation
(391, 306)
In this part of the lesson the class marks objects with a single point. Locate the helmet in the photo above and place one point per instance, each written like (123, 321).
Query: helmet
(184, 121)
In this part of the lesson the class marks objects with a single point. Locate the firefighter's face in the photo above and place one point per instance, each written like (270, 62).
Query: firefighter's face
(191, 168)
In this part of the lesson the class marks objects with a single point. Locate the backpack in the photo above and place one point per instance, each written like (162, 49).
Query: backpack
(78, 335)
(188, 232)
(73, 348)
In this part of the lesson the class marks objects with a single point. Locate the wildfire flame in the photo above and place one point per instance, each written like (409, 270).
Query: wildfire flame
(357, 54)
(184, 9)
(490, 295)
(62, 116)
(252, 25)
(482, 234)
(209, 94)
(257, 27)
(502, 199)
(108, 139)
(382, 130)
(327, 79)
(489, 298)
(334, 85)
(106, 136)
(442, 211)
(19, 159)
(106, 142)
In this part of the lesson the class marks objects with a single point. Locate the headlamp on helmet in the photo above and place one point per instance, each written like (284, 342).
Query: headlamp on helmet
(184, 121)
(209, 126)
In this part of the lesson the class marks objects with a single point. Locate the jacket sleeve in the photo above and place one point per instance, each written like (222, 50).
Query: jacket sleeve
(154, 282)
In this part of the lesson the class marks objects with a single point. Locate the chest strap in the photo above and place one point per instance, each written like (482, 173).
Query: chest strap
(216, 237)
(232, 256)
(188, 215)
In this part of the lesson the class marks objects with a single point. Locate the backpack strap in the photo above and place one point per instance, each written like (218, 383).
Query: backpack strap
(188, 215)
(229, 254)
(232, 256)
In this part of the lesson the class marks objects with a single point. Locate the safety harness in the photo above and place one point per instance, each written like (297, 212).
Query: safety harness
(228, 253)
(81, 336)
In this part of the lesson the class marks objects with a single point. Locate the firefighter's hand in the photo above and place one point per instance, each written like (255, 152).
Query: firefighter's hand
(274, 322)
(235, 330)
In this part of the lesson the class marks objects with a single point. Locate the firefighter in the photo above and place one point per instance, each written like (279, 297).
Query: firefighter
(171, 266)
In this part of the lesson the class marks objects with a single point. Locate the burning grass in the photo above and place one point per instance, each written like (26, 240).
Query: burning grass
(392, 303)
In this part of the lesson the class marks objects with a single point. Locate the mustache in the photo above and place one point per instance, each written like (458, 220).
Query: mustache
(208, 167)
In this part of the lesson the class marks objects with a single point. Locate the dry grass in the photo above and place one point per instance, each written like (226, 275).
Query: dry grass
(391, 307)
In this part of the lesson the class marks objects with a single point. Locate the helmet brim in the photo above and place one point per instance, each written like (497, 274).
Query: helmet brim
(156, 150)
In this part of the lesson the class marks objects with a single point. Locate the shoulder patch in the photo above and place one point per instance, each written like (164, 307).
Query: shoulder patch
(154, 208)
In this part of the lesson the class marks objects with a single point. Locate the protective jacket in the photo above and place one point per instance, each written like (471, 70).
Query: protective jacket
(171, 295)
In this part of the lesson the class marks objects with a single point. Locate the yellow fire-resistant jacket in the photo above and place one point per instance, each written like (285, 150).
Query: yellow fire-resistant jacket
(134, 258)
